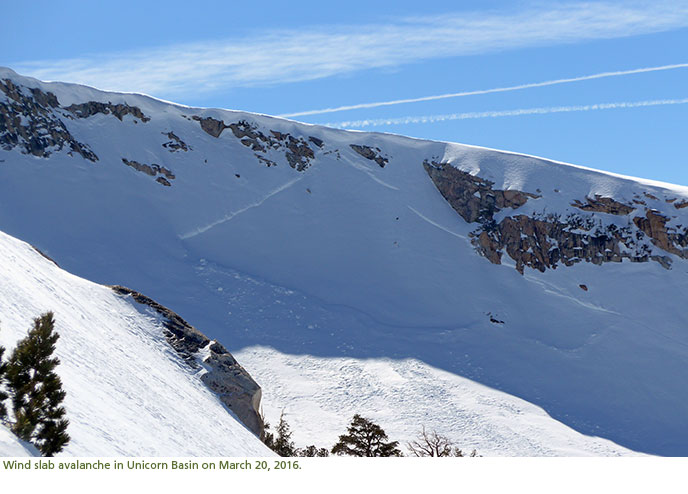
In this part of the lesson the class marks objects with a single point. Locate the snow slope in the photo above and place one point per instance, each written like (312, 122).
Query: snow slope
(319, 397)
(351, 260)
(10, 445)
(128, 392)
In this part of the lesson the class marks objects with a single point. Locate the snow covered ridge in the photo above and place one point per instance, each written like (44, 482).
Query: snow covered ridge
(129, 392)
(322, 245)
(33, 121)
(544, 240)
(224, 376)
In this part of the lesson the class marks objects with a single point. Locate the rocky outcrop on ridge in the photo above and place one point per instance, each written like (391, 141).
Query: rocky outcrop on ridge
(210, 125)
(604, 205)
(224, 377)
(30, 119)
(29, 122)
(372, 154)
(297, 151)
(90, 108)
(474, 198)
(544, 241)
(654, 225)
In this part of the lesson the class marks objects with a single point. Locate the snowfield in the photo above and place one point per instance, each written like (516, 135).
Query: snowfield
(10, 445)
(320, 396)
(128, 392)
(345, 287)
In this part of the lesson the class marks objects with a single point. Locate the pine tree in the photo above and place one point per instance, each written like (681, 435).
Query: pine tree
(283, 445)
(3, 394)
(266, 436)
(312, 451)
(36, 390)
(364, 438)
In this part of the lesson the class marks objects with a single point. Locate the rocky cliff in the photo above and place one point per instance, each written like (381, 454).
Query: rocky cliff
(223, 375)
(546, 240)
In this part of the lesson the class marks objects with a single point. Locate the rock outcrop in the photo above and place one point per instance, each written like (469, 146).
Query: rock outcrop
(224, 377)
(372, 154)
(604, 205)
(297, 151)
(90, 108)
(152, 170)
(544, 241)
(547, 242)
(175, 143)
(654, 225)
(30, 122)
(474, 198)
(210, 125)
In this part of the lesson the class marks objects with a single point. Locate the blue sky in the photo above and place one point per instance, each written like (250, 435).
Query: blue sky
(286, 58)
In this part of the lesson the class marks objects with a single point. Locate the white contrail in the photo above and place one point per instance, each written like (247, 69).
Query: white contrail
(505, 113)
(554, 82)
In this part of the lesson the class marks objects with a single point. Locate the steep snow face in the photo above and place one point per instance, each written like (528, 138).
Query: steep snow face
(333, 244)
(128, 392)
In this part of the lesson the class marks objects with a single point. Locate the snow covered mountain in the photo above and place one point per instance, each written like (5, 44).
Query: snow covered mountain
(367, 273)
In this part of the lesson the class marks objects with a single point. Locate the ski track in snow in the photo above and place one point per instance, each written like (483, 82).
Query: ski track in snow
(433, 223)
(234, 214)
(552, 289)
(365, 169)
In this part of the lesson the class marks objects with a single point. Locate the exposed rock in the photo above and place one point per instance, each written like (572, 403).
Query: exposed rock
(604, 205)
(147, 169)
(373, 154)
(668, 239)
(681, 204)
(267, 162)
(210, 125)
(224, 376)
(90, 108)
(45, 99)
(235, 387)
(583, 287)
(45, 255)
(470, 196)
(30, 123)
(316, 141)
(296, 150)
(174, 143)
(488, 247)
(493, 319)
(543, 242)
(152, 170)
